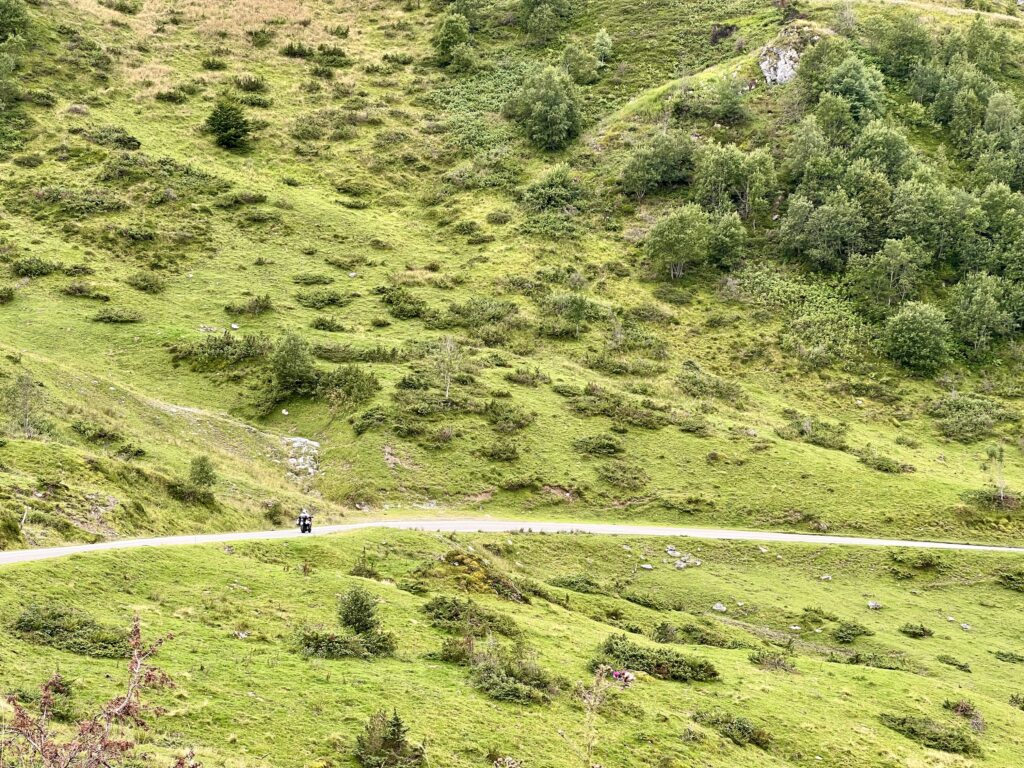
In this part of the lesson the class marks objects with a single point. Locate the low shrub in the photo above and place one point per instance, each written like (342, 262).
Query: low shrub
(512, 674)
(257, 305)
(599, 445)
(919, 631)
(697, 383)
(1017, 700)
(621, 652)
(6, 294)
(72, 630)
(582, 583)
(527, 377)
(848, 631)
(118, 315)
(312, 278)
(811, 430)
(468, 617)
(384, 744)
(880, 463)
(251, 83)
(146, 282)
(1010, 657)
(772, 660)
(623, 474)
(966, 709)
(1013, 580)
(321, 644)
(320, 298)
(222, 350)
(33, 266)
(951, 661)
(967, 417)
(932, 734)
(501, 450)
(739, 730)
(82, 290)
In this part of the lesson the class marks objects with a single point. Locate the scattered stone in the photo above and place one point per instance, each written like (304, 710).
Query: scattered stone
(762, 550)
(778, 64)
(647, 567)
(303, 457)
(234, 326)
(965, 627)
(826, 577)
(719, 607)
(795, 627)
(874, 605)
(688, 561)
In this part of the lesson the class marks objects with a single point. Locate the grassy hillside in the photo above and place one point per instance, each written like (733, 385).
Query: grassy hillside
(383, 202)
(244, 695)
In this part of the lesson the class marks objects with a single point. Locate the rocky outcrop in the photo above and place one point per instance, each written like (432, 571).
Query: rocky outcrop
(779, 59)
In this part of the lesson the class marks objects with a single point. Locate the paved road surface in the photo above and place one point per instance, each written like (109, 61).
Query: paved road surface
(497, 526)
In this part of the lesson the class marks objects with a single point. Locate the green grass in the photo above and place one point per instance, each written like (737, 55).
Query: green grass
(240, 689)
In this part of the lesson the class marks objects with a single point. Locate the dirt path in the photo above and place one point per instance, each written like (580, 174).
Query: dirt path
(501, 526)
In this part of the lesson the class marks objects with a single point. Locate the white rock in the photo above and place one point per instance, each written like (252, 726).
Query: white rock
(826, 577)
(795, 627)
(950, 618)
(874, 605)
(647, 567)
(284, 411)
(762, 550)
(234, 326)
(778, 64)
(719, 607)
(965, 627)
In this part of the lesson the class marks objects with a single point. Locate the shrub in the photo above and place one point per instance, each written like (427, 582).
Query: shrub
(507, 417)
(222, 350)
(582, 583)
(931, 734)
(112, 136)
(599, 445)
(739, 730)
(965, 708)
(1013, 580)
(512, 674)
(1010, 657)
(14, 19)
(214, 64)
(33, 266)
(260, 38)
(848, 631)
(916, 630)
(452, 31)
(229, 125)
(528, 377)
(917, 337)
(117, 315)
(619, 651)
(321, 644)
(257, 305)
(695, 383)
(1017, 700)
(881, 463)
(623, 474)
(402, 304)
(547, 108)
(468, 618)
(201, 473)
(951, 661)
(69, 629)
(146, 282)
(320, 298)
(384, 743)
(501, 450)
(296, 50)
(292, 368)
(6, 294)
(358, 611)
(664, 161)
(580, 64)
(772, 661)
(967, 417)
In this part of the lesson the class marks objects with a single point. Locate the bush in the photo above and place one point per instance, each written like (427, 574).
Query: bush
(292, 368)
(931, 734)
(118, 316)
(664, 161)
(6, 294)
(599, 445)
(951, 661)
(69, 629)
(739, 730)
(1017, 700)
(257, 305)
(146, 282)
(512, 674)
(33, 266)
(619, 651)
(320, 298)
(848, 631)
(452, 31)
(1013, 580)
(623, 474)
(772, 661)
(547, 108)
(223, 350)
(696, 383)
(296, 50)
(557, 191)
(917, 337)
(229, 125)
(320, 644)
(14, 19)
(357, 610)
(468, 618)
(967, 417)
(916, 630)
(384, 743)
(501, 450)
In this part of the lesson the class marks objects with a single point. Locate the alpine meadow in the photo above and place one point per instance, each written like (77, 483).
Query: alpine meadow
(511, 383)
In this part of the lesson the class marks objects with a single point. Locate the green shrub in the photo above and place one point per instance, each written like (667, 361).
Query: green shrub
(772, 660)
(599, 445)
(917, 337)
(69, 629)
(739, 730)
(6, 294)
(214, 64)
(664, 161)
(501, 450)
(320, 298)
(260, 38)
(1010, 657)
(118, 315)
(14, 20)
(223, 350)
(1013, 580)
(663, 663)
(146, 282)
(384, 743)
(916, 630)
(357, 610)
(296, 50)
(623, 474)
(512, 674)
(848, 631)
(257, 305)
(951, 661)
(966, 417)
(229, 125)
(467, 617)
(582, 583)
(33, 266)
(547, 108)
(932, 734)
